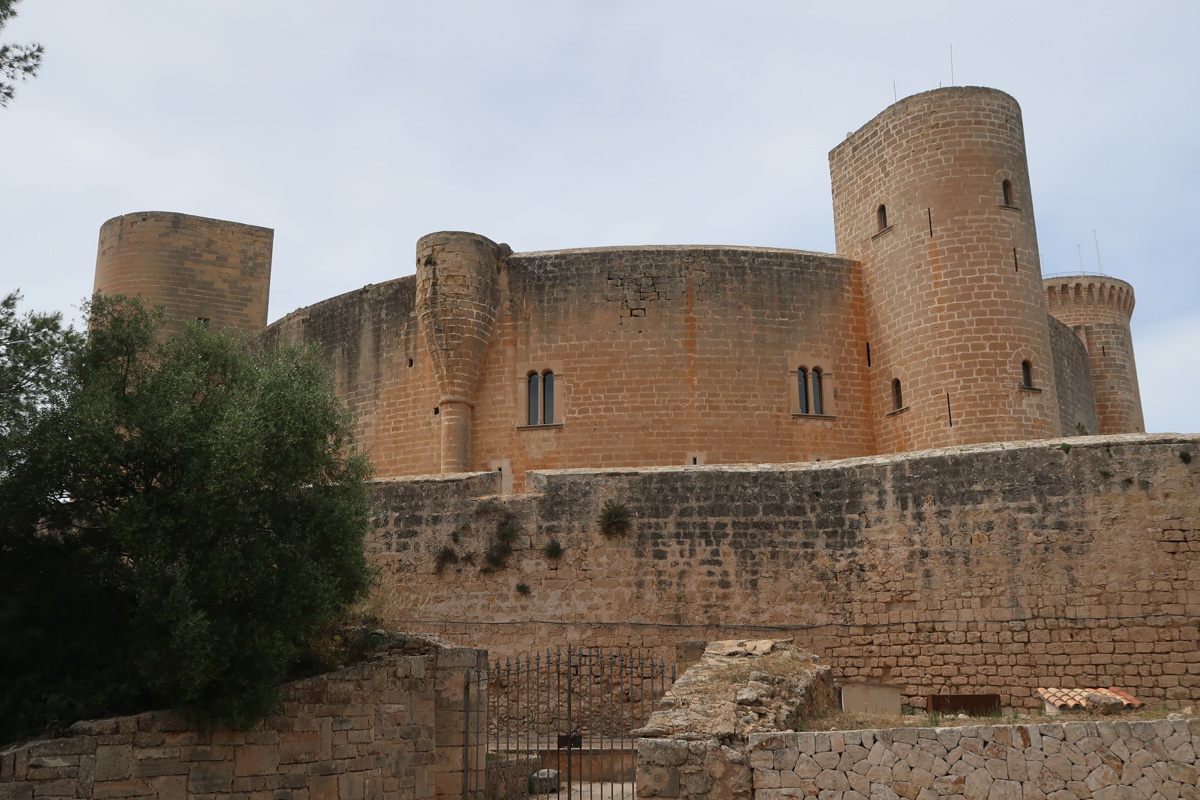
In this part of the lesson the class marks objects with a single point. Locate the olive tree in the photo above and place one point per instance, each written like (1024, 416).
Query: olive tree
(185, 517)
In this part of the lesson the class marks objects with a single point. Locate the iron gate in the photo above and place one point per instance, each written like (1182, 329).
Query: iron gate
(570, 712)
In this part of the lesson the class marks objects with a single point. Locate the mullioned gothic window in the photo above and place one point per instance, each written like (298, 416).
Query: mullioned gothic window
(540, 399)
(811, 388)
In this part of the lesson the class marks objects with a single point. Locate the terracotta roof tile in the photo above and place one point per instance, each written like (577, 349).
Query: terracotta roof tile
(1077, 698)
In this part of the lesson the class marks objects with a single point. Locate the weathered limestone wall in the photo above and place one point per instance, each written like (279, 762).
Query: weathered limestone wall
(1104, 760)
(387, 728)
(370, 341)
(660, 355)
(996, 568)
(1073, 382)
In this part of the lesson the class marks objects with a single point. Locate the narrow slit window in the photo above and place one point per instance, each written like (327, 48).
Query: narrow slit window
(1006, 188)
(548, 398)
(818, 404)
(803, 380)
(532, 417)
(1026, 374)
(897, 395)
(881, 214)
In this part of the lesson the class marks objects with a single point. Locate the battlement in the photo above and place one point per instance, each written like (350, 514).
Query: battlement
(1096, 293)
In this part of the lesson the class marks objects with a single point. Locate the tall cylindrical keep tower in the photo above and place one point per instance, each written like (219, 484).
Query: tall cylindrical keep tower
(458, 295)
(1099, 308)
(197, 268)
(932, 196)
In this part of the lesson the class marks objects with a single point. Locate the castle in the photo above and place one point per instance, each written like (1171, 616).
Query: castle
(769, 419)
(932, 326)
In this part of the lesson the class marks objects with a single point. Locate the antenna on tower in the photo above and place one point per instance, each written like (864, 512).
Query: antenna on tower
(1079, 247)
(951, 65)
(895, 97)
(1099, 266)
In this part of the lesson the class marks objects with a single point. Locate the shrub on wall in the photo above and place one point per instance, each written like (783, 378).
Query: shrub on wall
(614, 519)
(501, 547)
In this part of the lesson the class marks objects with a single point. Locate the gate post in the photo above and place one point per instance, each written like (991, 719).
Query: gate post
(453, 754)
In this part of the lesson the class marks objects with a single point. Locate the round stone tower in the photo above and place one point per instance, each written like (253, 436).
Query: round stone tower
(197, 268)
(933, 197)
(458, 294)
(1098, 308)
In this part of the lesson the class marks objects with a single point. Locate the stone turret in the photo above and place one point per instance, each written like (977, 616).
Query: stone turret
(211, 270)
(1098, 308)
(933, 197)
(458, 294)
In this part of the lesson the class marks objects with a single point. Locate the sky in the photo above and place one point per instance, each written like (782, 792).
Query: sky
(354, 128)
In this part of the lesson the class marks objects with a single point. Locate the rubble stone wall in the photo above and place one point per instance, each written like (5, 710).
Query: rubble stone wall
(1102, 760)
(389, 728)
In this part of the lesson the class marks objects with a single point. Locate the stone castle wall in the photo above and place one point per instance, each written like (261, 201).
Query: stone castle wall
(197, 268)
(1072, 382)
(660, 355)
(370, 341)
(388, 728)
(996, 568)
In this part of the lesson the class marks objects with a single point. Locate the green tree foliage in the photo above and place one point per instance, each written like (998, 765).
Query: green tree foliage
(176, 528)
(17, 61)
(34, 349)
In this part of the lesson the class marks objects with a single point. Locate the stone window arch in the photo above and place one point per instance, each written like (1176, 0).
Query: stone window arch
(1006, 189)
(897, 395)
(881, 217)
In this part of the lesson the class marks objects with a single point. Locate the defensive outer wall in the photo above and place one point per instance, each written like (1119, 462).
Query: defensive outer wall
(996, 568)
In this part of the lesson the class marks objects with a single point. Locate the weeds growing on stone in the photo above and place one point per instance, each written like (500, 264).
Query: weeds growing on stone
(497, 553)
(615, 519)
(553, 549)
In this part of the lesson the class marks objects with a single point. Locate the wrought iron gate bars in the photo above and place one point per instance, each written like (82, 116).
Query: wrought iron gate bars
(607, 694)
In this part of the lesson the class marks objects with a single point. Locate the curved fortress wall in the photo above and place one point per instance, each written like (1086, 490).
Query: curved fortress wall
(197, 268)
(370, 341)
(659, 356)
(933, 197)
(1098, 308)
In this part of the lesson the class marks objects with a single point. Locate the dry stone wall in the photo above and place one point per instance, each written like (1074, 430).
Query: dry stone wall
(996, 568)
(1102, 760)
(388, 728)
